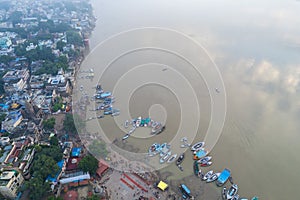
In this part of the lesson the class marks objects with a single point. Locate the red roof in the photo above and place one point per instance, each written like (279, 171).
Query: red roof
(71, 195)
(72, 163)
(102, 167)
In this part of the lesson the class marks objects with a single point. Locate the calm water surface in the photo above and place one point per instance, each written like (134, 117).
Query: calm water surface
(256, 46)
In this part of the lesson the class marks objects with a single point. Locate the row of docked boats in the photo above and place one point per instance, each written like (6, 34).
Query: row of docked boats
(106, 102)
(156, 127)
(164, 151)
(202, 159)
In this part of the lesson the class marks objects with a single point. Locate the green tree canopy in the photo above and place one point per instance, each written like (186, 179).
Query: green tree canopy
(49, 123)
(88, 164)
(54, 141)
(53, 151)
(69, 124)
(73, 37)
(38, 188)
(43, 166)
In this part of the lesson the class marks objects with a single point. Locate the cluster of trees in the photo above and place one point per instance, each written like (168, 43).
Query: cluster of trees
(58, 103)
(88, 164)
(49, 123)
(44, 164)
(73, 37)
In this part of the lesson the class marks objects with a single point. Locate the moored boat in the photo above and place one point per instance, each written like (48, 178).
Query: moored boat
(180, 159)
(200, 154)
(204, 159)
(232, 191)
(206, 164)
(213, 177)
(196, 168)
(208, 175)
(125, 136)
(154, 149)
(224, 176)
(224, 193)
(165, 158)
(172, 158)
(165, 148)
(236, 197)
(197, 146)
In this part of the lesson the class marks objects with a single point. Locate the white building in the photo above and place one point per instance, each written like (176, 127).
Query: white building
(10, 181)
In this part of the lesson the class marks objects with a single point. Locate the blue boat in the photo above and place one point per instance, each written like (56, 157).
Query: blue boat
(186, 193)
(200, 154)
(105, 95)
(224, 176)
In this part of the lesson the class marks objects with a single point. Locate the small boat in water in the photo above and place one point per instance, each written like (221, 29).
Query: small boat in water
(224, 176)
(224, 193)
(200, 154)
(126, 124)
(197, 169)
(165, 158)
(165, 148)
(232, 191)
(125, 136)
(204, 159)
(180, 159)
(208, 175)
(206, 164)
(213, 177)
(172, 158)
(138, 121)
(197, 146)
(236, 197)
(154, 149)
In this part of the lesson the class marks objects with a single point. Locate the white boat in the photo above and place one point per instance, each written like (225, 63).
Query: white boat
(197, 146)
(165, 148)
(185, 145)
(232, 191)
(172, 158)
(208, 175)
(165, 158)
(154, 149)
(213, 177)
(125, 136)
(224, 193)
(126, 124)
(204, 159)
(138, 121)
(206, 164)
(236, 197)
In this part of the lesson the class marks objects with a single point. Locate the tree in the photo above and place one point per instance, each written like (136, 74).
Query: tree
(94, 197)
(55, 198)
(88, 164)
(74, 37)
(60, 45)
(49, 123)
(43, 166)
(38, 188)
(6, 59)
(69, 124)
(53, 151)
(54, 141)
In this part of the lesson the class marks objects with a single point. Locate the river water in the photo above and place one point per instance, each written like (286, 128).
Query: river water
(256, 46)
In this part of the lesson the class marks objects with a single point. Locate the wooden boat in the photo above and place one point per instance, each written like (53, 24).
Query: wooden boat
(180, 159)
(206, 164)
(154, 149)
(204, 159)
(224, 176)
(208, 175)
(125, 136)
(232, 191)
(213, 177)
(197, 146)
(200, 154)
(224, 193)
(197, 169)
(172, 158)
(165, 158)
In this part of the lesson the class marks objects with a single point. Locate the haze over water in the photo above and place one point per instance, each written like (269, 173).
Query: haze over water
(256, 45)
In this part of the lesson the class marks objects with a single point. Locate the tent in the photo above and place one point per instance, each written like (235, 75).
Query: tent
(162, 185)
